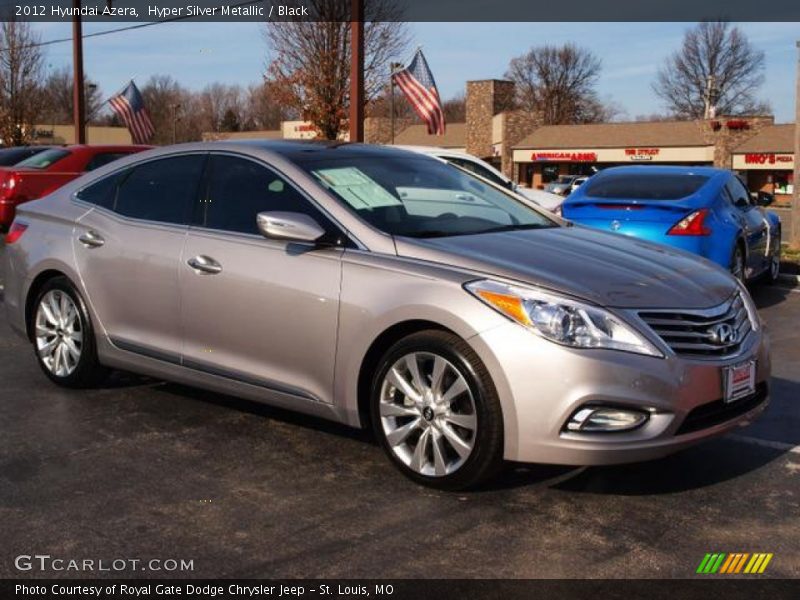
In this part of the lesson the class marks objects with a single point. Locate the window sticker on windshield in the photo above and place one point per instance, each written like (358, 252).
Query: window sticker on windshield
(356, 188)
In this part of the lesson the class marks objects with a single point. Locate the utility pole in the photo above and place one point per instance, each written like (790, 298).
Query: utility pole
(175, 109)
(795, 240)
(357, 71)
(78, 98)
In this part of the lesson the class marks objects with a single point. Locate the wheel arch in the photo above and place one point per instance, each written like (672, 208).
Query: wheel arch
(33, 291)
(378, 348)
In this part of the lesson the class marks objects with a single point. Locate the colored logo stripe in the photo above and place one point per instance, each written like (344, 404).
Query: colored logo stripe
(734, 563)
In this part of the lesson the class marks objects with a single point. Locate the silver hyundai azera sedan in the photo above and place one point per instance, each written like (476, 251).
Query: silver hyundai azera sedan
(377, 287)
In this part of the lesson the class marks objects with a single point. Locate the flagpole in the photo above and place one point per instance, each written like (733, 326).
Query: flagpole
(392, 67)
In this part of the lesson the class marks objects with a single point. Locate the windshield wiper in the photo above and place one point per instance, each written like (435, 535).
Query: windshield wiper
(431, 234)
(519, 227)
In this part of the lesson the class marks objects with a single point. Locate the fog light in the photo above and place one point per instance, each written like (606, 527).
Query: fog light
(594, 419)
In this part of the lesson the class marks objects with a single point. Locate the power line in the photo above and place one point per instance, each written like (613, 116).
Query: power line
(121, 29)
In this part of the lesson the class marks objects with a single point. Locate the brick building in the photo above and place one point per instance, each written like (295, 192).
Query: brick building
(766, 161)
(531, 154)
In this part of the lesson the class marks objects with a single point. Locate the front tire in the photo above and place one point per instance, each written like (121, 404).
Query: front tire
(436, 413)
(63, 336)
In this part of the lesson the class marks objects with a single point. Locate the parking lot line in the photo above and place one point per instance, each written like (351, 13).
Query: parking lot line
(782, 446)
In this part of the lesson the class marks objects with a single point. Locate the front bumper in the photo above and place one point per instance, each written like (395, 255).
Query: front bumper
(541, 384)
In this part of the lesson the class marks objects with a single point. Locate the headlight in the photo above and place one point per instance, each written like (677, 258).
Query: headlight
(750, 307)
(560, 319)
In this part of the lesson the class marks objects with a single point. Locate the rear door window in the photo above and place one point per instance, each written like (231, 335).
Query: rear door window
(161, 190)
(103, 193)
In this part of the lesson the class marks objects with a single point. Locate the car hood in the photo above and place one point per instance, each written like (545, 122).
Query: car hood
(604, 268)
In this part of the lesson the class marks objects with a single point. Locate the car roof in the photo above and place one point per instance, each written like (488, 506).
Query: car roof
(437, 151)
(665, 170)
(302, 149)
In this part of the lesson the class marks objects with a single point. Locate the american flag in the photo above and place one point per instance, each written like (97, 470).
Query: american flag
(416, 82)
(129, 105)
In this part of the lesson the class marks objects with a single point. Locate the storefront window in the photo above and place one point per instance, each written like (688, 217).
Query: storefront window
(783, 183)
(549, 173)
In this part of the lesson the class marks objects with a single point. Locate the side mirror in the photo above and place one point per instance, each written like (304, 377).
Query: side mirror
(765, 199)
(289, 226)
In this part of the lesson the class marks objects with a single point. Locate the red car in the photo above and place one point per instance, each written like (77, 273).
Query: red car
(42, 173)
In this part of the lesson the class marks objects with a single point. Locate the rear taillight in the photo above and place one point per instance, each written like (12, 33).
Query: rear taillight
(15, 232)
(7, 186)
(693, 224)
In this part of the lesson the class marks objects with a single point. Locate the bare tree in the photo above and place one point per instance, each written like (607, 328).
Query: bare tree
(558, 82)
(58, 97)
(21, 96)
(310, 60)
(263, 111)
(173, 110)
(218, 100)
(723, 52)
(455, 109)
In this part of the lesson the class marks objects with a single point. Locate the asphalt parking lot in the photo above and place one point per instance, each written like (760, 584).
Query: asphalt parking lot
(144, 469)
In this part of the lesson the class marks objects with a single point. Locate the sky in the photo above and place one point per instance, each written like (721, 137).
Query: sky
(197, 54)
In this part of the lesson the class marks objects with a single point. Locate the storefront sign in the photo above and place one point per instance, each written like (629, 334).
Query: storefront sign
(565, 156)
(642, 154)
(767, 159)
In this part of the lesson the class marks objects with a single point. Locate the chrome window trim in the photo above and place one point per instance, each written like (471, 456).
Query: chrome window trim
(189, 226)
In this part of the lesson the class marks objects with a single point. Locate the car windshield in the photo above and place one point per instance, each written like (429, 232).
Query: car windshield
(420, 197)
(44, 159)
(565, 179)
(643, 186)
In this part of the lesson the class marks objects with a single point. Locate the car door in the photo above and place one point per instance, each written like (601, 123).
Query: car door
(753, 224)
(258, 311)
(128, 251)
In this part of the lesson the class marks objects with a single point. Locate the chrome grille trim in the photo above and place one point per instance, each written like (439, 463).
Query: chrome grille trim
(689, 332)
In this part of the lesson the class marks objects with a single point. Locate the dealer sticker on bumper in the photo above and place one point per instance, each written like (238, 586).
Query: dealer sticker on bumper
(739, 381)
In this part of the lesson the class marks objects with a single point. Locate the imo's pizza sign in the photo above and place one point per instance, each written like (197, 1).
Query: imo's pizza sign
(767, 158)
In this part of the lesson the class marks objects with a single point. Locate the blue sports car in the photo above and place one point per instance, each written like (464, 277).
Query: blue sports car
(698, 209)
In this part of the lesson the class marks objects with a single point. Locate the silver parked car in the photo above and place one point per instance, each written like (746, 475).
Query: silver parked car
(377, 287)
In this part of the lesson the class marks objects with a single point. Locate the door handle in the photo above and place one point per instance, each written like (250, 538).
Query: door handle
(205, 264)
(91, 239)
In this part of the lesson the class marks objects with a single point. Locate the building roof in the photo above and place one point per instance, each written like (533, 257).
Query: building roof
(617, 135)
(455, 136)
(776, 138)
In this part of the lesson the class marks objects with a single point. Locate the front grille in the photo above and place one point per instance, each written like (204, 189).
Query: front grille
(715, 332)
(719, 411)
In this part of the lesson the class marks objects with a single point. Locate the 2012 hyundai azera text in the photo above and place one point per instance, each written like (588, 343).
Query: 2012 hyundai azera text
(381, 288)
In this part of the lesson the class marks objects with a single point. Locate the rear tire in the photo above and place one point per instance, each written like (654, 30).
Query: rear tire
(436, 413)
(737, 263)
(774, 271)
(63, 336)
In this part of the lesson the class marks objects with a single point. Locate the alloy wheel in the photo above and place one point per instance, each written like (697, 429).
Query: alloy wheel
(59, 335)
(737, 268)
(428, 414)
